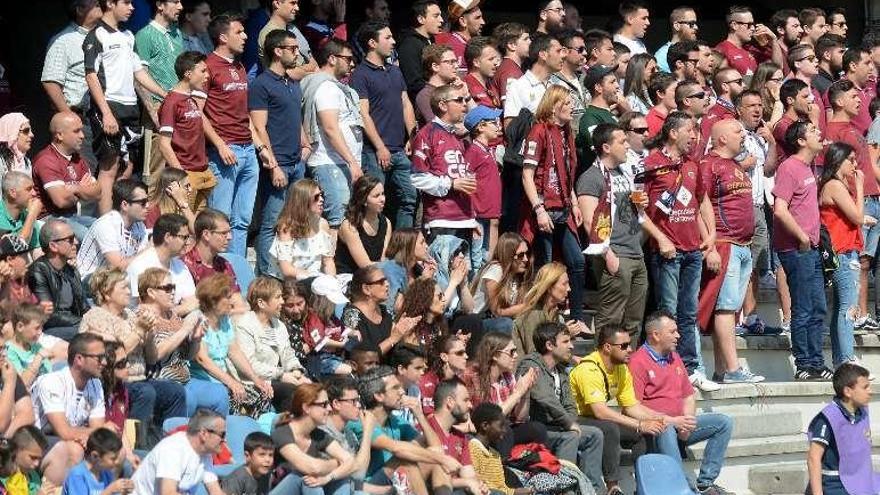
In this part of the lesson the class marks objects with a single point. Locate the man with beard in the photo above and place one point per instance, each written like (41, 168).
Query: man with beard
(789, 32)
(452, 403)
(797, 104)
(570, 76)
(635, 24)
(683, 21)
(829, 50)
(466, 21)
(551, 17)
(682, 58)
(693, 100)
(482, 60)
(706, 70)
(742, 48)
(395, 449)
(728, 84)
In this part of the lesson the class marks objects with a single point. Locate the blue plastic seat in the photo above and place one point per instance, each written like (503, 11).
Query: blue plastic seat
(244, 274)
(658, 474)
(173, 423)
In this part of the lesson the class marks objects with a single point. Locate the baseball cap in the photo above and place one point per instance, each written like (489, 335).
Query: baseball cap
(329, 287)
(13, 245)
(478, 114)
(595, 74)
(457, 8)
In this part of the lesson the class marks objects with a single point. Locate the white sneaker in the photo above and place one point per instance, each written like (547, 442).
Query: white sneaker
(700, 381)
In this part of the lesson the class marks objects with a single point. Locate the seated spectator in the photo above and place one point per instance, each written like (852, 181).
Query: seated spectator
(174, 342)
(324, 463)
(152, 400)
(453, 407)
(365, 313)
(303, 245)
(119, 234)
(172, 193)
(54, 279)
(252, 478)
(182, 461)
(213, 233)
(365, 231)
(219, 348)
(16, 407)
(16, 138)
(263, 341)
(491, 426)
(541, 305)
(453, 269)
(117, 400)
(345, 406)
(424, 299)
(554, 406)
(69, 404)
(95, 474)
(600, 377)
(61, 174)
(20, 208)
(170, 237)
(325, 337)
(25, 352)
(14, 254)
(408, 259)
(294, 312)
(410, 364)
(447, 360)
(22, 475)
(500, 286)
(660, 383)
(364, 357)
(395, 439)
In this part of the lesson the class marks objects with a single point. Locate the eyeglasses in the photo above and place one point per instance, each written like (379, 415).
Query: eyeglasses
(510, 352)
(348, 58)
(169, 288)
(221, 434)
(558, 10)
(322, 404)
(355, 401)
(141, 201)
(121, 364)
(579, 49)
(460, 99)
(811, 58)
(701, 95)
(69, 238)
(185, 237)
(522, 255)
(222, 232)
(623, 345)
(639, 130)
(289, 47)
(453, 61)
(377, 281)
(99, 357)
(690, 24)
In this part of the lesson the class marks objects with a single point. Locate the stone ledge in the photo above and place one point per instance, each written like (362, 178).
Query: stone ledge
(768, 389)
(783, 342)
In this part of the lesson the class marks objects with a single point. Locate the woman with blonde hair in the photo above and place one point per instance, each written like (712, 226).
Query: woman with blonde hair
(549, 168)
(304, 245)
(500, 286)
(172, 193)
(767, 81)
(544, 303)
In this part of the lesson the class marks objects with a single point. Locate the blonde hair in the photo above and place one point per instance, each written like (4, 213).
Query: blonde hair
(545, 279)
(150, 279)
(103, 281)
(160, 197)
(547, 107)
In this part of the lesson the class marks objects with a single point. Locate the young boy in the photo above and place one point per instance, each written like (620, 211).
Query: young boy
(181, 136)
(29, 358)
(253, 477)
(483, 124)
(840, 435)
(94, 475)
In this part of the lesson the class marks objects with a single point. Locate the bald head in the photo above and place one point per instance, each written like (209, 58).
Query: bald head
(727, 136)
(67, 132)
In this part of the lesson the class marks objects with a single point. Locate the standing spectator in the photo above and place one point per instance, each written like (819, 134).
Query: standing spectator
(829, 50)
(61, 175)
(859, 70)
(722, 288)
(573, 19)
(335, 128)
(552, 403)
(527, 91)
(798, 102)
(814, 24)
(212, 235)
(602, 85)
(805, 66)
(682, 58)
(283, 14)
(676, 272)
(683, 21)
(796, 229)
(484, 125)
(182, 461)
(513, 41)
(657, 376)
(745, 45)
(365, 232)
(837, 22)
(551, 17)
(389, 120)
(549, 167)
(788, 29)
(114, 113)
(169, 238)
(275, 104)
(158, 44)
(481, 61)
(20, 208)
(55, 281)
(232, 157)
(16, 137)
(569, 76)
(466, 22)
(441, 68)
(841, 210)
(326, 21)
(693, 100)
(767, 82)
(181, 130)
(728, 84)
(194, 27)
(640, 71)
(599, 48)
(119, 234)
(425, 22)
(635, 127)
(635, 24)
(661, 89)
(303, 244)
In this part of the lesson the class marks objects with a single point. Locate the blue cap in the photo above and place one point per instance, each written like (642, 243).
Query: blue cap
(478, 114)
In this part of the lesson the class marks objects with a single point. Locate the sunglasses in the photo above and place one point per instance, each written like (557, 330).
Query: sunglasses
(142, 201)
(26, 130)
(701, 95)
(169, 288)
(221, 434)
(690, 24)
(639, 130)
(377, 281)
(460, 99)
(811, 58)
(522, 255)
(623, 345)
(99, 357)
(749, 25)
(69, 238)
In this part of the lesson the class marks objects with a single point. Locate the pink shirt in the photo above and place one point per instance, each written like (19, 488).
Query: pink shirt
(796, 184)
(738, 58)
(661, 387)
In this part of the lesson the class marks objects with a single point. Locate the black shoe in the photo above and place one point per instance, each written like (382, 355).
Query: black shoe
(806, 375)
(824, 373)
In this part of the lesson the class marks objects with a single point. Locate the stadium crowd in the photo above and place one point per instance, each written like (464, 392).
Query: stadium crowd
(429, 209)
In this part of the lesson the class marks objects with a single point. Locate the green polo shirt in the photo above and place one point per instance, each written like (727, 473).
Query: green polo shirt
(592, 117)
(158, 48)
(14, 225)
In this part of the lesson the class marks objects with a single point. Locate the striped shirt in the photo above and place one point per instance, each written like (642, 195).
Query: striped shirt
(64, 65)
(158, 48)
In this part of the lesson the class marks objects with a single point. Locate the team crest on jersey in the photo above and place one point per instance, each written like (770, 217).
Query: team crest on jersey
(233, 74)
(533, 146)
(738, 174)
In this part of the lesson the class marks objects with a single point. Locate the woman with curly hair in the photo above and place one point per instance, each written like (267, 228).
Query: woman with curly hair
(543, 303)
(424, 298)
(500, 286)
(365, 232)
(303, 245)
(446, 360)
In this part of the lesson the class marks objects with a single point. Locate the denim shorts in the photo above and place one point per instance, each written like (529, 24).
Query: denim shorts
(736, 279)
(324, 364)
(871, 234)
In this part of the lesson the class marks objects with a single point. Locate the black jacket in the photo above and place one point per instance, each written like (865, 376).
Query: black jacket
(45, 282)
(409, 51)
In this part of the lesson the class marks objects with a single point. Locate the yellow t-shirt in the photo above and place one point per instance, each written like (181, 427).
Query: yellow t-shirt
(591, 383)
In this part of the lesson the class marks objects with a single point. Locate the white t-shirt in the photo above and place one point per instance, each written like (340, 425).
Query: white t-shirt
(175, 459)
(184, 286)
(330, 97)
(305, 254)
(635, 46)
(108, 234)
(56, 392)
(525, 92)
(481, 297)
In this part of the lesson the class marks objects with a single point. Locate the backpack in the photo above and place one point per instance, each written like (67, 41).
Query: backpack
(515, 135)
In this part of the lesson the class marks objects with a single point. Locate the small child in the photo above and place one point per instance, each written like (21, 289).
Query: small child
(29, 358)
(253, 477)
(94, 475)
(27, 447)
(326, 337)
(485, 128)
(840, 435)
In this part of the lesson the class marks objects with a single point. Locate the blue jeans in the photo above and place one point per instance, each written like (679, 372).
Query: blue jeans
(714, 427)
(335, 182)
(154, 401)
(502, 324)
(804, 272)
(844, 306)
(206, 394)
(677, 287)
(573, 258)
(273, 200)
(403, 193)
(292, 484)
(736, 279)
(236, 191)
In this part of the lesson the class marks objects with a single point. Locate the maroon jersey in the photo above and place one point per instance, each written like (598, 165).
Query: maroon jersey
(226, 106)
(508, 69)
(738, 58)
(52, 169)
(846, 132)
(440, 153)
(730, 190)
(674, 195)
(487, 199)
(721, 110)
(180, 116)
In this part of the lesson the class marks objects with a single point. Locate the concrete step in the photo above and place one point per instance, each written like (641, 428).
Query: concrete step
(764, 424)
(782, 476)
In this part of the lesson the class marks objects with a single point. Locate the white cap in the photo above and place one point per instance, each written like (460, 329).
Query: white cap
(329, 287)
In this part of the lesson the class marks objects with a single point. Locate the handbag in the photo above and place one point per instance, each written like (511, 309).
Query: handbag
(830, 262)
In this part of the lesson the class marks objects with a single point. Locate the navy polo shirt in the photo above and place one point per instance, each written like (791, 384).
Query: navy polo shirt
(382, 87)
(283, 98)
